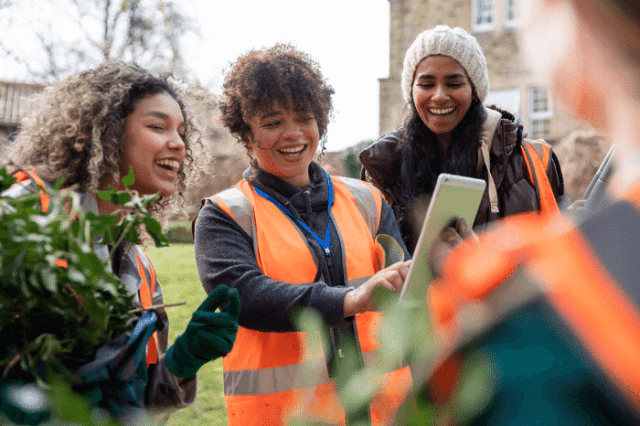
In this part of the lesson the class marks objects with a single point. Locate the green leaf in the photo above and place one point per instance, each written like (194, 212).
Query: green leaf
(22, 284)
(104, 195)
(75, 275)
(58, 184)
(16, 264)
(132, 236)
(120, 198)
(129, 179)
(6, 180)
(155, 230)
(49, 280)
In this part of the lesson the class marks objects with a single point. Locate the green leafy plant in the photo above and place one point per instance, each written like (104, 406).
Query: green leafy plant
(60, 301)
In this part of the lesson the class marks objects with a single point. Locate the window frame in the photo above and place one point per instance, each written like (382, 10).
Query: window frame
(482, 27)
(535, 116)
(511, 22)
(513, 94)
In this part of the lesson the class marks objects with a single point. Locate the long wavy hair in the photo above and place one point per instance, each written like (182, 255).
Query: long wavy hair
(75, 130)
(423, 158)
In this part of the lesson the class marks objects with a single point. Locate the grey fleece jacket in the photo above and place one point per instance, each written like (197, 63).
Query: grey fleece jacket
(224, 255)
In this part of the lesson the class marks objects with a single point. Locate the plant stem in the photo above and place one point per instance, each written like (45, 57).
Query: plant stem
(14, 361)
(166, 305)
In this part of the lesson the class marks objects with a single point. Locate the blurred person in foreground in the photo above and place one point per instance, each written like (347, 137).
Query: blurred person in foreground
(291, 239)
(445, 82)
(539, 318)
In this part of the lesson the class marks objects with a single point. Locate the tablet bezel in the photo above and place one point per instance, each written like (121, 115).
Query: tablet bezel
(453, 196)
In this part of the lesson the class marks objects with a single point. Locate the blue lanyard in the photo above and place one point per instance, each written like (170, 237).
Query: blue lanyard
(324, 243)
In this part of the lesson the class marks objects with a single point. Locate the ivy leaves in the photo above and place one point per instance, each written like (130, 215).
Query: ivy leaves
(59, 300)
(131, 201)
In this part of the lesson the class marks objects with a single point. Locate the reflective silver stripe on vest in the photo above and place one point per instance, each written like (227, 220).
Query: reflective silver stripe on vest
(538, 147)
(265, 381)
(366, 202)
(242, 212)
(277, 379)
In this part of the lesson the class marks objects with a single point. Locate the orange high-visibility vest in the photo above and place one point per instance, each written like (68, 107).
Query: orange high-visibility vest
(537, 156)
(530, 256)
(145, 269)
(269, 376)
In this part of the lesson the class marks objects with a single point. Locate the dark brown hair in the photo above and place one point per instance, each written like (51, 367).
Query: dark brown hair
(280, 75)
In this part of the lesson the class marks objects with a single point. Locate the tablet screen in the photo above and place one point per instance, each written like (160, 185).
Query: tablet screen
(454, 196)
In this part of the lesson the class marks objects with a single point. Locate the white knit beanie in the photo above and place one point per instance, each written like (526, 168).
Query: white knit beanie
(455, 43)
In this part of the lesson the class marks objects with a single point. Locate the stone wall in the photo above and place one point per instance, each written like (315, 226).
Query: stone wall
(580, 155)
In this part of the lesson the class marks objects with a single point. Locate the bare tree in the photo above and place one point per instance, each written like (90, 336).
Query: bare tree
(51, 39)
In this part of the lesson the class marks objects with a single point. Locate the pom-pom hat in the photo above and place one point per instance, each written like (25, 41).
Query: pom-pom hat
(455, 43)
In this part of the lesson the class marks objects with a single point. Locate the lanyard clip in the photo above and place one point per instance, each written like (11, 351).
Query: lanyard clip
(327, 252)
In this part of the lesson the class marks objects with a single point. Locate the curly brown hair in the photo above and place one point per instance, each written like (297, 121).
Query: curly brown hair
(75, 130)
(280, 75)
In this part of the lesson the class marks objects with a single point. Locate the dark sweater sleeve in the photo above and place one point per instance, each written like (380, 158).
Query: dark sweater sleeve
(224, 255)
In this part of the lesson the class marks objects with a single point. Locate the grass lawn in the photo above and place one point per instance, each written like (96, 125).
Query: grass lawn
(176, 270)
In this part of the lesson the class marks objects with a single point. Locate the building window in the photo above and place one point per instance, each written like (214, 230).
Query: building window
(540, 128)
(539, 113)
(483, 15)
(511, 17)
(507, 99)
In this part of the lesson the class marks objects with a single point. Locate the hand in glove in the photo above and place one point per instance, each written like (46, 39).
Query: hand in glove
(209, 334)
(450, 236)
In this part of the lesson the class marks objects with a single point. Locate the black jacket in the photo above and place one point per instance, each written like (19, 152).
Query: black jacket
(382, 163)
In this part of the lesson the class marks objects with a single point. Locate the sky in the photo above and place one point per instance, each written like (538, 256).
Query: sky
(349, 39)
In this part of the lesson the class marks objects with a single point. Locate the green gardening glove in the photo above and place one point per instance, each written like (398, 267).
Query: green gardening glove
(209, 334)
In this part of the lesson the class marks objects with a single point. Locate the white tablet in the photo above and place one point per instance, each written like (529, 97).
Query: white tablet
(454, 196)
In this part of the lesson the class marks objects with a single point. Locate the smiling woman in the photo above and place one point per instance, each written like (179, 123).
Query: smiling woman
(292, 239)
(442, 93)
(91, 129)
(284, 144)
(154, 144)
(444, 82)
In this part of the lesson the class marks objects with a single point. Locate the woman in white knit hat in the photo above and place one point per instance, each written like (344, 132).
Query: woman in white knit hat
(445, 82)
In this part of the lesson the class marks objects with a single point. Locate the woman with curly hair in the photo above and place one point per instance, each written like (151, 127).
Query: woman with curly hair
(444, 82)
(291, 238)
(90, 130)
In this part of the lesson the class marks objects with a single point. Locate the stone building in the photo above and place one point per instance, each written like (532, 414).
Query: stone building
(14, 104)
(495, 24)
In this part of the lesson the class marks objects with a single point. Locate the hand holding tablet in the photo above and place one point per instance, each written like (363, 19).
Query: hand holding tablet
(453, 197)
